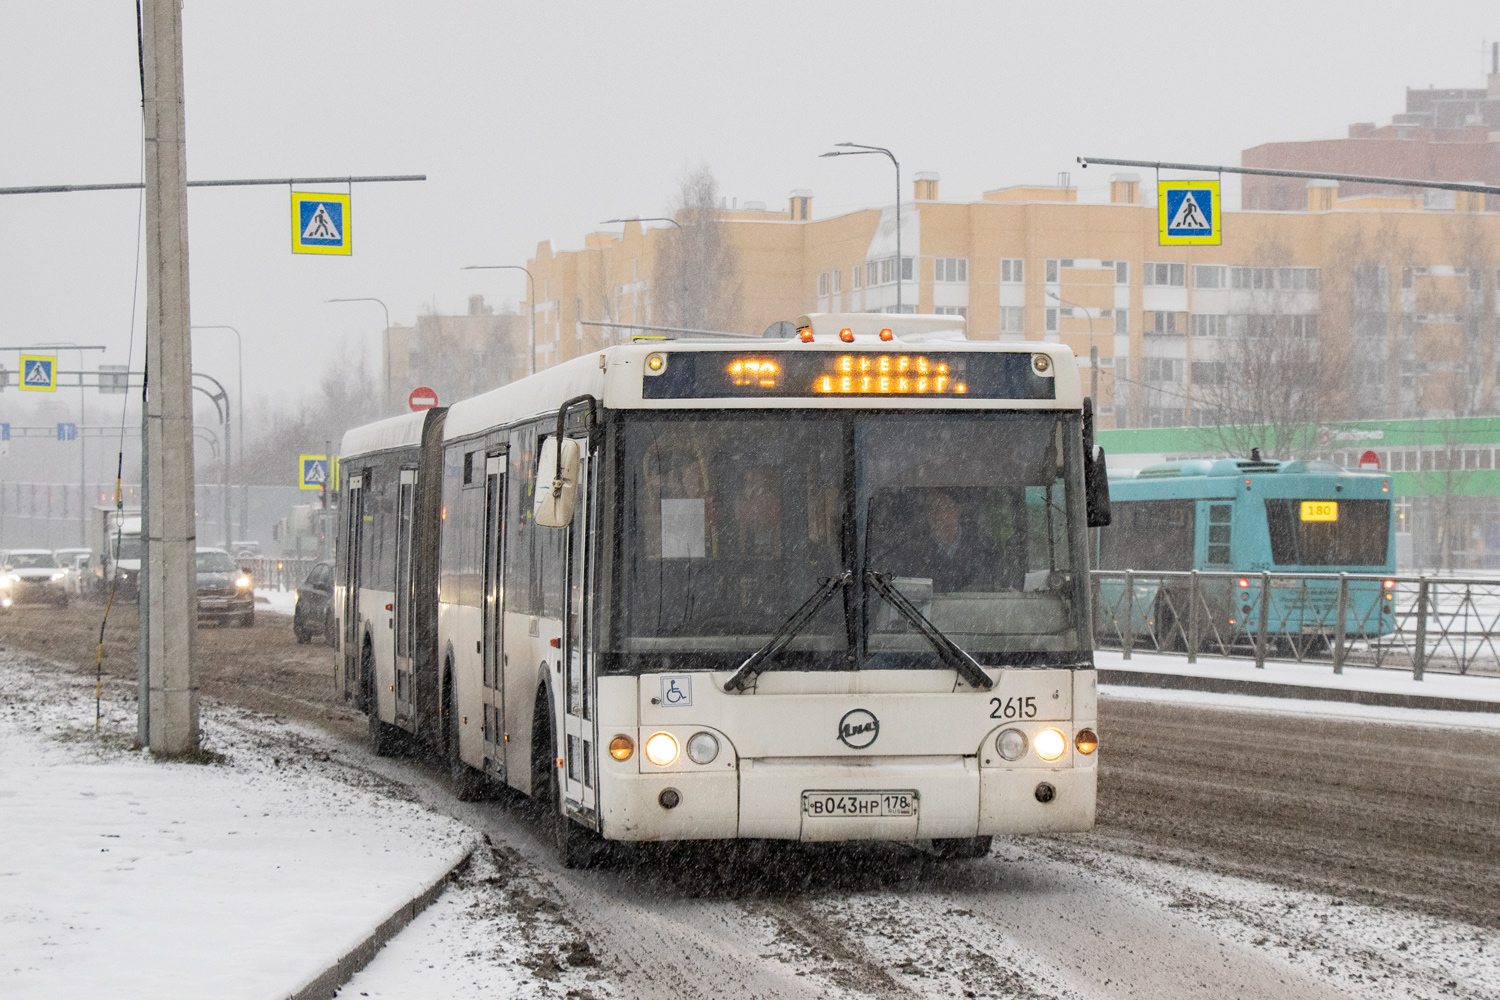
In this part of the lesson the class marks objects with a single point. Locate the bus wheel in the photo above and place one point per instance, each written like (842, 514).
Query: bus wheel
(384, 738)
(961, 848)
(577, 846)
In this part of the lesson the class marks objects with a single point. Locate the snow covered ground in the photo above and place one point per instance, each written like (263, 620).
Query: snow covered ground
(122, 876)
(277, 602)
(1435, 685)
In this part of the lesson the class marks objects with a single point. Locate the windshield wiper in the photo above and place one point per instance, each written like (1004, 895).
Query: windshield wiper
(796, 622)
(947, 650)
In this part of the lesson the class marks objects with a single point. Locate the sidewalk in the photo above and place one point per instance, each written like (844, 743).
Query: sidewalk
(1302, 681)
(252, 877)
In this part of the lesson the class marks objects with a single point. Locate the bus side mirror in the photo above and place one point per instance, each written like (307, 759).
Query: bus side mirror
(556, 484)
(1095, 473)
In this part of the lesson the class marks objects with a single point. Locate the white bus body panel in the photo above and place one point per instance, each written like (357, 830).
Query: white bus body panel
(381, 627)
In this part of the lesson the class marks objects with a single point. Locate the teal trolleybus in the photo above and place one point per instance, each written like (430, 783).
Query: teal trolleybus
(1203, 539)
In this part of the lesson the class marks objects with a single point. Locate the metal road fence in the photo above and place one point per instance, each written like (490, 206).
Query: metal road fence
(279, 573)
(1416, 623)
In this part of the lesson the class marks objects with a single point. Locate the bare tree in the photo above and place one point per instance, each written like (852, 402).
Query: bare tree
(697, 282)
(1269, 381)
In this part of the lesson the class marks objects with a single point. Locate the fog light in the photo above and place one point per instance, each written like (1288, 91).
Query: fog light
(669, 797)
(661, 749)
(1011, 744)
(1086, 741)
(1045, 793)
(1051, 744)
(702, 748)
(621, 747)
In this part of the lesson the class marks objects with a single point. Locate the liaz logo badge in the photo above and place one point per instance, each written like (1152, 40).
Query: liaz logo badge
(858, 729)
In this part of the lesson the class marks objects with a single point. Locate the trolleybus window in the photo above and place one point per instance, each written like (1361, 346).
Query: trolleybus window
(1345, 532)
(732, 521)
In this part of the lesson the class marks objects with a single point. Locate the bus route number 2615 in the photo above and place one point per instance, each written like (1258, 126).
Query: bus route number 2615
(1013, 708)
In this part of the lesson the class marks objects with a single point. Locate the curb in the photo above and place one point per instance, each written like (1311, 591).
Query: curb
(1270, 689)
(326, 984)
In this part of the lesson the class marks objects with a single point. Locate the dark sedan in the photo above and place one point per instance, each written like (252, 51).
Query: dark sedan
(225, 593)
(313, 614)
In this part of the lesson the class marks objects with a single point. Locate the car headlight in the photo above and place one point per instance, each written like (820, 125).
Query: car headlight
(58, 576)
(702, 748)
(243, 581)
(4, 581)
(1051, 744)
(1011, 744)
(661, 749)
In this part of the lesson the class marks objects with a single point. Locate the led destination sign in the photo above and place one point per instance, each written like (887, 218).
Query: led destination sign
(779, 375)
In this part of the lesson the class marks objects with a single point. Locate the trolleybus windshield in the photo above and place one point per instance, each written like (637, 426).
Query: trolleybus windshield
(729, 522)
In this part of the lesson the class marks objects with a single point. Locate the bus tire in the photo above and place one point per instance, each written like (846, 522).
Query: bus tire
(961, 848)
(576, 845)
(384, 738)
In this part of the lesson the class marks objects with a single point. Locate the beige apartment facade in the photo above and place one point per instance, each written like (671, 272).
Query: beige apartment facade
(1399, 295)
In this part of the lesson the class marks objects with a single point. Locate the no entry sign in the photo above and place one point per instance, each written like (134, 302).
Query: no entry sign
(422, 398)
(1369, 460)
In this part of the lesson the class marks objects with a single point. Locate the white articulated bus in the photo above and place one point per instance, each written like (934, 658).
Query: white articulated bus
(826, 588)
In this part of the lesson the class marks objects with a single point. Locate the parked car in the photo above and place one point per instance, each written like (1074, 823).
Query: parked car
(225, 593)
(32, 576)
(313, 612)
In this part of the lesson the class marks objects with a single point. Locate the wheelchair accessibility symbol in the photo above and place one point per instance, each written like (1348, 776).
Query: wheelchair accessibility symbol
(677, 691)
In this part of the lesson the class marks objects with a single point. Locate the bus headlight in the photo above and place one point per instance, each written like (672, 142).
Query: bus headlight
(1086, 741)
(1051, 744)
(1011, 744)
(702, 748)
(621, 747)
(661, 749)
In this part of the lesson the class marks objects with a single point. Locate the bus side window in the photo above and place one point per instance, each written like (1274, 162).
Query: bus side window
(1219, 518)
(519, 485)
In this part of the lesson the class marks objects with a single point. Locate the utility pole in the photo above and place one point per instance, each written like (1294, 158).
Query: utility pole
(169, 581)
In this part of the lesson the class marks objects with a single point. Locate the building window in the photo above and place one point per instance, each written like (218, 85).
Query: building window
(1122, 321)
(823, 284)
(950, 269)
(1012, 319)
(1164, 323)
(1052, 272)
(838, 281)
(1304, 326)
(1250, 277)
(1122, 272)
(1212, 276)
(1297, 279)
(951, 311)
(906, 268)
(1013, 271)
(1051, 321)
(872, 273)
(1172, 275)
(857, 276)
(1208, 373)
(1210, 325)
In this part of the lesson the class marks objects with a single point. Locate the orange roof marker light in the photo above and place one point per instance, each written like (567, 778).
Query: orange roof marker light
(846, 335)
(886, 334)
(805, 334)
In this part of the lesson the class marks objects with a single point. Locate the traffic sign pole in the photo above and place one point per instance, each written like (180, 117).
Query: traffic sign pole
(170, 580)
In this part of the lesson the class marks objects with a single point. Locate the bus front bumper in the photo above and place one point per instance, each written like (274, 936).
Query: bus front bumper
(768, 798)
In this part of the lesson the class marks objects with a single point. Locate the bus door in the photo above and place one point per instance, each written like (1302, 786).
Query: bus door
(491, 635)
(354, 521)
(580, 774)
(1214, 552)
(405, 605)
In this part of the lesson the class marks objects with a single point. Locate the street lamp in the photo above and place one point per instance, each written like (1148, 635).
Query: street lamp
(386, 336)
(530, 306)
(1093, 351)
(857, 150)
(239, 348)
(637, 218)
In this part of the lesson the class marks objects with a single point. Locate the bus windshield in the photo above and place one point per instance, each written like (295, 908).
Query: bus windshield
(731, 521)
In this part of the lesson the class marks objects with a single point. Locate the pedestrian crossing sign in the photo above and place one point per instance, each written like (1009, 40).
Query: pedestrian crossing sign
(38, 373)
(312, 472)
(1188, 213)
(320, 223)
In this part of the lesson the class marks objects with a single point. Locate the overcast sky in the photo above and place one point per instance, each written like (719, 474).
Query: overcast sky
(538, 120)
